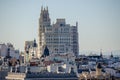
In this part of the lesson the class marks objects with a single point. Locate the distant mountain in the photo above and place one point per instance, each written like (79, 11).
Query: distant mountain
(88, 52)
(116, 52)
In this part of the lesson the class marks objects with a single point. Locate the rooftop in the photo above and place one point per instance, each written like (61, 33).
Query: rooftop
(50, 75)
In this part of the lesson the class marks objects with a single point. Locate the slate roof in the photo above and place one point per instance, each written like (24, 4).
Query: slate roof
(50, 75)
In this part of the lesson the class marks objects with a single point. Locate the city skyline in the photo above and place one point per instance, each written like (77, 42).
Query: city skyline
(98, 21)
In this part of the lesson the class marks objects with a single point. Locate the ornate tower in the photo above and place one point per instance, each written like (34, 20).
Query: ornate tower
(98, 69)
(44, 21)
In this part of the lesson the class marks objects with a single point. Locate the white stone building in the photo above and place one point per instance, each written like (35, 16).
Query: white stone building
(97, 74)
(66, 57)
(30, 50)
(59, 37)
(61, 68)
(9, 50)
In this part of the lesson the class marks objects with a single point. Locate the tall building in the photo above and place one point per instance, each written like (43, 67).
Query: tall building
(58, 37)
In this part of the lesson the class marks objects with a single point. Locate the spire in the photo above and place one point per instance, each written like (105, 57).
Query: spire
(44, 9)
(44, 16)
(34, 43)
(101, 53)
(76, 23)
(47, 8)
(41, 8)
(46, 51)
(111, 55)
(34, 40)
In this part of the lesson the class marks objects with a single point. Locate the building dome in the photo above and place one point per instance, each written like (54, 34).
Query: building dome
(99, 65)
(34, 43)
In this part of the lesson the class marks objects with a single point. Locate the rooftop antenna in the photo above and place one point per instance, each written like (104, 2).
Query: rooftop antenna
(100, 52)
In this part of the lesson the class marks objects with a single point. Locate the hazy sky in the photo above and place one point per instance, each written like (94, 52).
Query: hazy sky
(99, 21)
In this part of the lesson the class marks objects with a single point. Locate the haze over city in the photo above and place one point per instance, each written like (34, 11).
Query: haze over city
(98, 21)
(59, 39)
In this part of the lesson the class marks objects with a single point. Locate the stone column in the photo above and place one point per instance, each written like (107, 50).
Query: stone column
(15, 68)
(11, 69)
(26, 70)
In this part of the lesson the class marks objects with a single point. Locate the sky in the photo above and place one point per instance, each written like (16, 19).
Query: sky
(98, 21)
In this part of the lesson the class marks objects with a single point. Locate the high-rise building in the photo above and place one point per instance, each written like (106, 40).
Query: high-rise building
(58, 37)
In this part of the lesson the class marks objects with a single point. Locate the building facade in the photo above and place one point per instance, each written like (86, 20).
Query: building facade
(30, 50)
(8, 50)
(58, 37)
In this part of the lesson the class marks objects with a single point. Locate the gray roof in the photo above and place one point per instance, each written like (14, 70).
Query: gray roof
(50, 75)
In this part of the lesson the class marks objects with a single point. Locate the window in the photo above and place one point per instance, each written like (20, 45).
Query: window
(61, 24)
